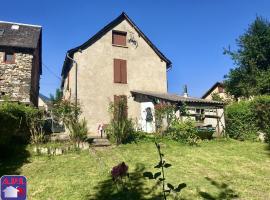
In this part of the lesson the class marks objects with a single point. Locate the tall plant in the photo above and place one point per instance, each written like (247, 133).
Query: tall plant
(120, 128)
(167, 188)
(68, 112)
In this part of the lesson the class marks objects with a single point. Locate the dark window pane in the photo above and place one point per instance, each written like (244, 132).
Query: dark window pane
(9, 57)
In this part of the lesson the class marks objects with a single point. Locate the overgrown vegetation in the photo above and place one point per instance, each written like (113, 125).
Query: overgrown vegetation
(69, 113)
(19, 124)
(121, 129)
(245, 118)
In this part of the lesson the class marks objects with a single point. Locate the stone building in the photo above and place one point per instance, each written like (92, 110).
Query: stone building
(119, 61)
(20, 62)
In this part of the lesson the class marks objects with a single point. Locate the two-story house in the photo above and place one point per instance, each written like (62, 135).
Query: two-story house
(20, 62)
(121, 61)
(118, 59)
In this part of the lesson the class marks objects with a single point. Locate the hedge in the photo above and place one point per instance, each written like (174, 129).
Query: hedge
(246, 118)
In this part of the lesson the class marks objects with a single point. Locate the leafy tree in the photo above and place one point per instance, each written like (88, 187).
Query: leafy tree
(57, 97)
(251, 76)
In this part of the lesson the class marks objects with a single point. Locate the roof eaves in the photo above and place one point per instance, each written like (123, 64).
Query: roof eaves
(104, 30)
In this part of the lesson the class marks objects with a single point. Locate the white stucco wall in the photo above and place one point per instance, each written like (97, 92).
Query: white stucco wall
(96, 88)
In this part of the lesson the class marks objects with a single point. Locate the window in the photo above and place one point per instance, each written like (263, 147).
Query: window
(9, 58)
(120, 71)
(220, 89)
(200, 115)
(119, 38)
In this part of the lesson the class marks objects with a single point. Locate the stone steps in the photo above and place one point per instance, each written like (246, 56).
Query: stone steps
(100, 142)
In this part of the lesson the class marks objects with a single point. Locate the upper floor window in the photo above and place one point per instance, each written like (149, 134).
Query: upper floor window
(9, 58)
(120, 71)
(220, 89)
(119, 38)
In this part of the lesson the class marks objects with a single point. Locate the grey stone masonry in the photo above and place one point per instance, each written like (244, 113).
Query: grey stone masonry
(15, 78)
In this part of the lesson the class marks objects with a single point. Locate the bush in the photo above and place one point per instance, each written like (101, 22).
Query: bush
(183, 131)
(260, 107)
(78, 131)
(18, 124)
(240, 121)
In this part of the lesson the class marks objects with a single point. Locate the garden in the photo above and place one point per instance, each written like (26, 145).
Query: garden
(174, 163)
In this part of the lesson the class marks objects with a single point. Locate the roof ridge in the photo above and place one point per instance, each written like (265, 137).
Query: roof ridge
(32, 25)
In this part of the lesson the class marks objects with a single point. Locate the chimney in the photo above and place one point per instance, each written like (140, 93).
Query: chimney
(185, 91)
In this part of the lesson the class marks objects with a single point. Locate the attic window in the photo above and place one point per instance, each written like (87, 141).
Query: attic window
(119, 38)
(1, 32)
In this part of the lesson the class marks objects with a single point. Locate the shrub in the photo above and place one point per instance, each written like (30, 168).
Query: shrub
(183, 131)
(78, 131)
(260, 107)
(121, 129)
(240, 121)
(19, 124)
(69, 113)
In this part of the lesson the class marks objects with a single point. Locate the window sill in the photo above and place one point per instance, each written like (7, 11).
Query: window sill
(121, 83)
(116, 45)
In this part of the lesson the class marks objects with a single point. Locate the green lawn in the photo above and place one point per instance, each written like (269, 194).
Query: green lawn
(217, 169)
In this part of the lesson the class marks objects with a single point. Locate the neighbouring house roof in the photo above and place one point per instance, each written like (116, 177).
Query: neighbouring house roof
(46, 100)
(177, 98)
(212, 88)
(103, 31)
(19, 35)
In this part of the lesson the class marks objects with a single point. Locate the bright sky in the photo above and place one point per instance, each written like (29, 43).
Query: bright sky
(191, 33)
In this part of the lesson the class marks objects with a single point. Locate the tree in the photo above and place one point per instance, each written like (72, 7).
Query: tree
(57, 97)
(251, 75)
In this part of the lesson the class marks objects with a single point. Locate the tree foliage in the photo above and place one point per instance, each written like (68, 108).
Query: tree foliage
(251, 75)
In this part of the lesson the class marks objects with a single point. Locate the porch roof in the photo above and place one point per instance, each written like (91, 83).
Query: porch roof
(177, 98)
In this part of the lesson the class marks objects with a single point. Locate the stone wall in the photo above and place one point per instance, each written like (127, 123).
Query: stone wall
(15, 79)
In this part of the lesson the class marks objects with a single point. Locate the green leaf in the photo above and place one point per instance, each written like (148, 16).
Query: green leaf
(167, 165)
(170, 186)
(161, 179)
(148, 175)
(159, 165)
(157, 174)
(180, 187)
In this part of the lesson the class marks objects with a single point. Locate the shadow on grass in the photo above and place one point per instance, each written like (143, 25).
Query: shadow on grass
(107, 190)
(268, 148)
(12, 158)
(224, 192)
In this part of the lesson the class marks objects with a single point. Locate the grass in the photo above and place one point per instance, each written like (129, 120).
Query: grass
(218, 169)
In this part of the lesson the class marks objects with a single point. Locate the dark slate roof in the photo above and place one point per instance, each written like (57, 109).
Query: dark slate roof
(103, 31)
(176, 98)
(211, 89)
(27, 36)
(47, 100)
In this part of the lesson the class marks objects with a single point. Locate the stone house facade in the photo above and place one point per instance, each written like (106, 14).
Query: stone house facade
(20, 62)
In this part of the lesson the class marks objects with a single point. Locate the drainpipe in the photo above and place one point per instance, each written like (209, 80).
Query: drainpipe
(76, 84)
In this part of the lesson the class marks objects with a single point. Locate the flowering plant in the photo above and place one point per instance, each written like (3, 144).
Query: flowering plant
(120, 175)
